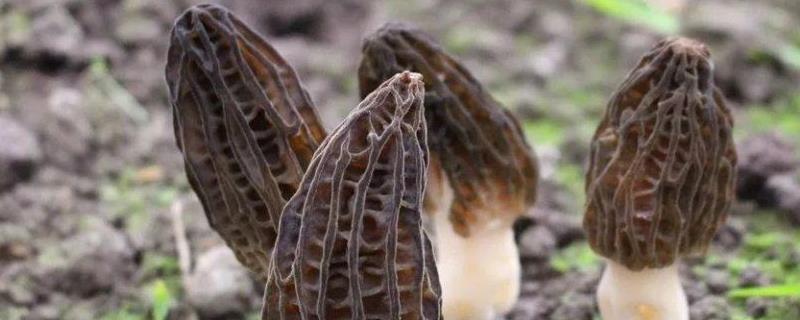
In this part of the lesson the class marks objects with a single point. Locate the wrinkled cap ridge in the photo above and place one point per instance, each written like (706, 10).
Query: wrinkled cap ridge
(351, 243)
(662, 161)
(245, 124)
(477, 143)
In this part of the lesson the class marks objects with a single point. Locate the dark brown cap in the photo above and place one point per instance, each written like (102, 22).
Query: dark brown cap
(662, 167)
(245, 125)
(351, 243)
(477, 143)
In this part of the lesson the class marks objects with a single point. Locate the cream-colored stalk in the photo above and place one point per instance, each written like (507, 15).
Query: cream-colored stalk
(479, 274)
(649, 294)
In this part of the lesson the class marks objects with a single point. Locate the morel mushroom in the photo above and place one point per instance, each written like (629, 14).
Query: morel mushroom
(351, 243)
(482, 176)
(245, 125)
(660, 180)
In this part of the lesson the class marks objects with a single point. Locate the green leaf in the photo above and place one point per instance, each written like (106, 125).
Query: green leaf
(571, 176)
(156, 264)
(123, 314)
(790, 54)
(782, 116)
(763, 241)
(161, 298)
(543, 132)
(576, 257)
(637, 12)
(789, 290)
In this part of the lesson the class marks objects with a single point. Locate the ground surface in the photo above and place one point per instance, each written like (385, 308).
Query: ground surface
(90, 177)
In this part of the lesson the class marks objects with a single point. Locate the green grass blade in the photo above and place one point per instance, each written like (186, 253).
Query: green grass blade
(637, 12)
(779, 291)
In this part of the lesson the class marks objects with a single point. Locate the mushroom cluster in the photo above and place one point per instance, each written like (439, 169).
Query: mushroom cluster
(660, 179)
(248, 131)
(333, 223)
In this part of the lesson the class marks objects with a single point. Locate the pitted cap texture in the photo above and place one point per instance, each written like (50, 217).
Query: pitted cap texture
(662, 167)
(351, 243)
(477, 144)
(245, 125)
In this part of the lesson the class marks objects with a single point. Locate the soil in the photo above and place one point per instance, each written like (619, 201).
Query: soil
(91, 180)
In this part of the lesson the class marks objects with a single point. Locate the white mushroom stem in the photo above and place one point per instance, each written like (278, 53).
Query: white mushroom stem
(650, 294)
(479, 274)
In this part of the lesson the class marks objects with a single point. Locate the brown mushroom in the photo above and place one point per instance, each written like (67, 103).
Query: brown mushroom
(660, 180)
(351, 243)
(482, 176)
(245, 125)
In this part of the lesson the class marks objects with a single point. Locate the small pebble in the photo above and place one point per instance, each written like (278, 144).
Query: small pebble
(581, 307)
(717, 281)
(18, 160)
(710, 308)
(751, 276)
(537, 243)
(757, 307)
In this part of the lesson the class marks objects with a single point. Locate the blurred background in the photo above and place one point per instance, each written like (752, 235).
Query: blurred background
(94, 203)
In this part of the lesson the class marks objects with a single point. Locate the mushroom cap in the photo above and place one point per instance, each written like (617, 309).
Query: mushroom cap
(662, 162)
(477, 144)
(246, 126)
(351, 242)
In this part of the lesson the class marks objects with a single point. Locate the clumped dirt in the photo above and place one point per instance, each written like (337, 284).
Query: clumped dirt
(90, 178)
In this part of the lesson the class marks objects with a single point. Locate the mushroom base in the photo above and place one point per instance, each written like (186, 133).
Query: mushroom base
(480, 274)
(650, 294)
